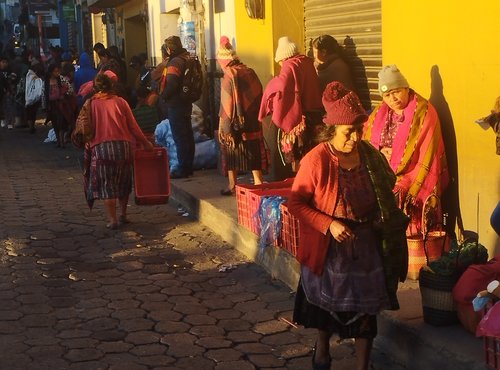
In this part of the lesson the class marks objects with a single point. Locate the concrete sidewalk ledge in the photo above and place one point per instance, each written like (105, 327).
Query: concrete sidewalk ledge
(403, 336)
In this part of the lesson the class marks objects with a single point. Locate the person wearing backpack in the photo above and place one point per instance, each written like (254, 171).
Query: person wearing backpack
(179, 108)
(34, 92)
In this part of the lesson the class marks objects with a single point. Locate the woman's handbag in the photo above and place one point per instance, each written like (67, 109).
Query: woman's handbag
(428, 245)
(84, 130)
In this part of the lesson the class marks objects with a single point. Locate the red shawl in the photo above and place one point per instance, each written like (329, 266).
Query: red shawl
(295, 91)
(418, 156)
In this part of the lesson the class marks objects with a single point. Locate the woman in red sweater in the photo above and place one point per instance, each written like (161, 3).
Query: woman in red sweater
(108, 175)
(352, 234)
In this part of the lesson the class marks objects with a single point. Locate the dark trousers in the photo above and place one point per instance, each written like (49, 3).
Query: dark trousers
(179, 117)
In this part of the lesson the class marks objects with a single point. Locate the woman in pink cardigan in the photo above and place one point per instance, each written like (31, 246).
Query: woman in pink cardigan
(109, 156)
(352, 234)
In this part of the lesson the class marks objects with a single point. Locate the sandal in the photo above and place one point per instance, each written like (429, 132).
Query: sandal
(323, 366)
(112, 226)
(228, 192)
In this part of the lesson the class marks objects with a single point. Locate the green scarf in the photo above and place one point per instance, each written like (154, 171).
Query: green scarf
(393, 222)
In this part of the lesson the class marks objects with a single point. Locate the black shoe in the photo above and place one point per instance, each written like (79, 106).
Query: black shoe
(228, 192)
(178, 175)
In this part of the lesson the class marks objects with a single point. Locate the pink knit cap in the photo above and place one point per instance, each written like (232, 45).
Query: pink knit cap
(342, 106)
(225, 54)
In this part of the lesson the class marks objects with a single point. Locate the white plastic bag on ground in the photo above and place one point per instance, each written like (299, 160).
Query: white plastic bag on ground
(51, 136)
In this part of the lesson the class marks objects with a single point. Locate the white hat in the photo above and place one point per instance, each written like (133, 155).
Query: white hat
(286, 49)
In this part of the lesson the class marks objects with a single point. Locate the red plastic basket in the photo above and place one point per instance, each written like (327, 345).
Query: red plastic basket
(248, 200)
(151, 176)
(289, 230)
(492, 352)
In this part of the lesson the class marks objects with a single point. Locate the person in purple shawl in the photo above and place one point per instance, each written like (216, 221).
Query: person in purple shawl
(240, 132)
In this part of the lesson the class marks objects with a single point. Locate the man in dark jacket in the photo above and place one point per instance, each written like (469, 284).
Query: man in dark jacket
(179, 109)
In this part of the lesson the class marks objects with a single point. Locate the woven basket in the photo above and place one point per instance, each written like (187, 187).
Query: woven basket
(437, 299)
(426, 246)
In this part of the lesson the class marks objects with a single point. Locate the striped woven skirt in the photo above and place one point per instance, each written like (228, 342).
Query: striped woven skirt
(110, 171)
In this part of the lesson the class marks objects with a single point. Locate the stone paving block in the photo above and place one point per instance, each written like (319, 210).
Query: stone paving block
(223, 354)
(11, 327)
(37, 320)
(143, 337)
(78, 343)
(10, 315)
(234, 324)
(124, 304)
(169, 327)
(74, 333)
(190, 308)
(94, 313)
(207, 331)
(213, 342)
(271, 327)
(127, 314)
(165, 315)
(156, 361)
(89, 365)
(137, 324)
(114, 347)
(100, 324)
(259, 316)
(197, 362)
(152, 349)
(243, 336)
(110, 335)
(225, 314)
(199, 319)
(279, 339)
(232, 365)
(45, 352)
(16, 362)
(262, 361)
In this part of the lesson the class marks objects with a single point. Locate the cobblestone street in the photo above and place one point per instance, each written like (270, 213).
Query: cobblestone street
(163, 292)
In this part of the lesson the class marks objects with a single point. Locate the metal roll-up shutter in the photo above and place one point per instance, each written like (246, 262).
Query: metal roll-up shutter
(356, 24)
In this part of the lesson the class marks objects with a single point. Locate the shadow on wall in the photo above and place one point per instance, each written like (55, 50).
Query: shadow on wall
(358, 72)
(450, 197)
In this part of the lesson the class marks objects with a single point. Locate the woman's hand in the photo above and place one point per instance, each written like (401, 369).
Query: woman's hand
(387, 152)
(148, 146)
(340, 231)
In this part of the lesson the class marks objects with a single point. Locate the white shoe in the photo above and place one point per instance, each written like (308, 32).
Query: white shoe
(10, 127)
(2, 123)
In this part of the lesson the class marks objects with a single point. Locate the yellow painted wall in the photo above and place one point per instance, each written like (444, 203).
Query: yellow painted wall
(462, 40)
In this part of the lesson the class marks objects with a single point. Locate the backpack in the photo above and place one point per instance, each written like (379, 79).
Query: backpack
(192, 82)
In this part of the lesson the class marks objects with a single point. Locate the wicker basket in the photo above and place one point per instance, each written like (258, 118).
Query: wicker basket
(437, 299)
(426, 246)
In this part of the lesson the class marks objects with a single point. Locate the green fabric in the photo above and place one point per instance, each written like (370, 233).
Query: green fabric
(147, 118)
(393, 222)
(456, 261)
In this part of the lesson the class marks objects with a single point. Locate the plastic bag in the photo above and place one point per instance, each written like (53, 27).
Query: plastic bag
(205, 155)
(270, 219)
(163, 137)
(489, 326)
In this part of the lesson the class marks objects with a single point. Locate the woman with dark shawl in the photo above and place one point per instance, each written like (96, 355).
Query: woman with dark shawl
(240, 132)
(353, 247)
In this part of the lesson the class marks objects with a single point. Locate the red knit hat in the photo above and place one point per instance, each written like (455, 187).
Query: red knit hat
(342, 106)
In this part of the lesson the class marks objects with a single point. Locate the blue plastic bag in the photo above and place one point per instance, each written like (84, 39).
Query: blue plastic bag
(270, 219)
